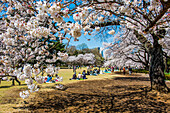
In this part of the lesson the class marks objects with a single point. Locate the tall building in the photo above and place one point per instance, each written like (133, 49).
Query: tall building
(101, 51)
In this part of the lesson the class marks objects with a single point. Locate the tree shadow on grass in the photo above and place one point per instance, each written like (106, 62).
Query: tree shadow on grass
(132, 78)
(113, 98)
(127, 73)
(5, 86)
(12, 86)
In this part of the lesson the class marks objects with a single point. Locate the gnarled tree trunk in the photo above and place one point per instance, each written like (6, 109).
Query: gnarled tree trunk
(156, 71)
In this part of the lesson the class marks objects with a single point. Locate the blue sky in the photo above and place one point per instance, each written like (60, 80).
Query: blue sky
(93, 43)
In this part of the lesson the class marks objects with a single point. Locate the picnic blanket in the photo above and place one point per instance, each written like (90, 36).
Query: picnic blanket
(108, 72)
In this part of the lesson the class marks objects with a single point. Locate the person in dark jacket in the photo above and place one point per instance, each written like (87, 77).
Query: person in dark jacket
(74, 76)
(130, 70)
(84, 74)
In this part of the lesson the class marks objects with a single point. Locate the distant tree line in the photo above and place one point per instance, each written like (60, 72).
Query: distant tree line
(82, 49)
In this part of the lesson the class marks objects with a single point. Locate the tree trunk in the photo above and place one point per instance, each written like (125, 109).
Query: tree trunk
(156, 71)
(147, 67)
(0, 80)
(13, 81)
(17, 80)
(166, 64)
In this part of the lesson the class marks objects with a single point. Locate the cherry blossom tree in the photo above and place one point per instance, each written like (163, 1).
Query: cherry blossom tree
(148, 20)
(127, 49)
(122, 63)
(25, 44)
(86, 59)
(30, 24)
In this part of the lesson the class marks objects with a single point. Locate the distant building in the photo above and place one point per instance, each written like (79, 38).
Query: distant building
(101, 51)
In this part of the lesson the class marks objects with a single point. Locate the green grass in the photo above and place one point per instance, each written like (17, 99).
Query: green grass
(167, 76)
(10, 92)
(140, 71)
(65, 73)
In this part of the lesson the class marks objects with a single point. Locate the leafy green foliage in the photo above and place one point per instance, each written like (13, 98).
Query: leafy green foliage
(82, 46)
(56, 46)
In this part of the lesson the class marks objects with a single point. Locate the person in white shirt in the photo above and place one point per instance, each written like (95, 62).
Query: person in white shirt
(79, 76)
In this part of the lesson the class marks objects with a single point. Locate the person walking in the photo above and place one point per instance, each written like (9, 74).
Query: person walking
(112, 69)
(130, 70)
(124, 70)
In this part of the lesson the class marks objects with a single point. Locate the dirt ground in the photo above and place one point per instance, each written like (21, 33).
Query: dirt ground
(120, 94)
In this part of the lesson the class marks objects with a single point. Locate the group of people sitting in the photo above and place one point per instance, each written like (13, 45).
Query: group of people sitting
(107, 70)
(82, 76)
(51, 79)
(94, 72)
(79, 76)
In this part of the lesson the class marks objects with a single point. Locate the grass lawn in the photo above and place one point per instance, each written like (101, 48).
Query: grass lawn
(167, 76)
(65, 73)
(9, 95)
(10, 100)
(6, 88)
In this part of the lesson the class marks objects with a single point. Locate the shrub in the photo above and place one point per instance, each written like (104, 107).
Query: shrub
(167, 76)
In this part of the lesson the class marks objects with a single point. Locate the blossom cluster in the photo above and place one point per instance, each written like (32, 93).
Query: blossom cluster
(30, 26)
(88, 58)
(125, 50)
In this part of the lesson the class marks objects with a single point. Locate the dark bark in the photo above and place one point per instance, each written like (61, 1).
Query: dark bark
(156, 71)
(104, 24)
(18, 81)
(13, 81)
(147, 67)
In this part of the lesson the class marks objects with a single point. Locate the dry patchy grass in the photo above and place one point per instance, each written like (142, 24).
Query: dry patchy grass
(104, 93)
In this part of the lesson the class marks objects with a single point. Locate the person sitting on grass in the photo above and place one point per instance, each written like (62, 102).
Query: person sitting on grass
(84, 74)
(95, 73)
(49, 78)
(79, 76)
(105, 70)
(91, 72)
(45, 79)
(88, 73)
(74, 76)
(101, 72)
(109, 69)
(57, 78)
(98, 71)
